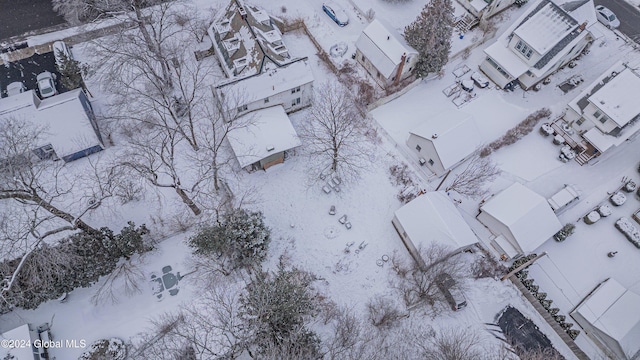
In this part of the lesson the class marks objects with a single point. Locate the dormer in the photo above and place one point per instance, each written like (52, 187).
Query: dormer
(222, 27)
(231, 45)
(239, 65)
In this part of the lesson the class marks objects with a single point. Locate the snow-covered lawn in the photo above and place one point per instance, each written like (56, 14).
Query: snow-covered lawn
(297, 210)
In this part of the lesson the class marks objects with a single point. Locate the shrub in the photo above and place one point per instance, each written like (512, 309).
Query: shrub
(565, 232)
(516, 133)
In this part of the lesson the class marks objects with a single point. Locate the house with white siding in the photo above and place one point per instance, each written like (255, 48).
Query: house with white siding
(384, 53)
(541, 41)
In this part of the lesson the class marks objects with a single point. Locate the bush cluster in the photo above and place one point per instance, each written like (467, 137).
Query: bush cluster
(516, 133)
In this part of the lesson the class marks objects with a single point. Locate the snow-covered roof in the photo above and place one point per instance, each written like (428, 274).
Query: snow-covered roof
(22, 332)
(433, 217)
(615, 99)
(454, 135)
(546, 28)
(526, 213)
(383, 46)
(269, 131)
(507, 59)
(599, 140)
(272, 82)
(615, 311)
(581, 10)
(64, 119)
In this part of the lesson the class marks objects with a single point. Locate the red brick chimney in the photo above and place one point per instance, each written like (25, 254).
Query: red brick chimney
(403, 59)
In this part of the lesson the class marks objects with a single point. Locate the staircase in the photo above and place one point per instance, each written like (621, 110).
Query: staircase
(466, 22)
(583, 158)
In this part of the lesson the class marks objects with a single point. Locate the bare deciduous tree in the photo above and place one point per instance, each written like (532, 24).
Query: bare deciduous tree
(418, 282)
(127, 279)
(450, 344)
(472, 181)
(383, 312)
(334, 134)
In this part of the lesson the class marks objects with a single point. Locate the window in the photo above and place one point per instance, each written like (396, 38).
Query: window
(597, 114)
(604, 119)
(298, 89)
(418, 148)
(363, 59)
(295, 102)
(431, 162)
(524, 49)
(497, 67)
(266, 101)
(242, 108)
(295, 90)
(580, 121)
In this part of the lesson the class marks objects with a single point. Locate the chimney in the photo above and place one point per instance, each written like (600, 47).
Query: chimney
(243, 12)
(434, 136)
(403, 59)
(388, 37)
(582, 26)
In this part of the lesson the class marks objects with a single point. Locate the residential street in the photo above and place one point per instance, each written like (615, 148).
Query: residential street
(628, 14)
(20, 16)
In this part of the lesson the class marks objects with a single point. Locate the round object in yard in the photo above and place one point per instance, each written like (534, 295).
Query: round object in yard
(338, 49)
(331, 232)
(385, 258)
(379, 262)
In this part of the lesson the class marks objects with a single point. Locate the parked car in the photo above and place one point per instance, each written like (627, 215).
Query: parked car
(336, 13)
(59, 48)
(46, 84)
(480, 80)
(607, 17)
(454, 296)
(15, 88)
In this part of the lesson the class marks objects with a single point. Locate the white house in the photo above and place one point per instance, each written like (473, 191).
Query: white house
(610, 316)
(24, 334)
(606, 113)
(290, 86)
(445, 140)
(384, 53)
(69, 128)
(520, 219)
(429, 218)
(247, 40)
(541, 41)
(265, 140)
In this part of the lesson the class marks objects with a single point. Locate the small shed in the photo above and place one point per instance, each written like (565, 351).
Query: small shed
(521, 216)
(265, 139)
(610, 315)
(432, 217)
(445, 140)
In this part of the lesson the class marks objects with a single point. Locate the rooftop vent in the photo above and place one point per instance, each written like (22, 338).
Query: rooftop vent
(270, 147)
(434, 136)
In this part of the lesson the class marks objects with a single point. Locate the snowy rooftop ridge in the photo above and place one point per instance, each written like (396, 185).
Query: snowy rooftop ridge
(67, 126)
(274, 81)
(269, 132)
(546, 27)
(383, 46)
(614, 311)
(616, 100)
(432, 217)
(453, 133)
(526, 213)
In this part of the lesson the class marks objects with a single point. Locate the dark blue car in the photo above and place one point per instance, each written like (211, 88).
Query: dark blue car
(336, 13)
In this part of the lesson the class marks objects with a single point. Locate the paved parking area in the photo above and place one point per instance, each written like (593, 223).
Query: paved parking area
(26, 70)
(524, 335)
(20, 16)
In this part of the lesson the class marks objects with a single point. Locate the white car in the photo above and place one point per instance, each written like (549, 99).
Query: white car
(46, 84)
(59, 48)
(15, 88)
(607, 17)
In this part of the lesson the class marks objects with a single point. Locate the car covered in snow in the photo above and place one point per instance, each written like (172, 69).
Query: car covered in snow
(480, 80)
(46, 84)
(607, 17)
(15, 88)
(454, 296)
(336, 13)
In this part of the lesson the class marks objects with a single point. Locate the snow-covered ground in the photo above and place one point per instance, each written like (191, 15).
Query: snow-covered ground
(297, 210)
